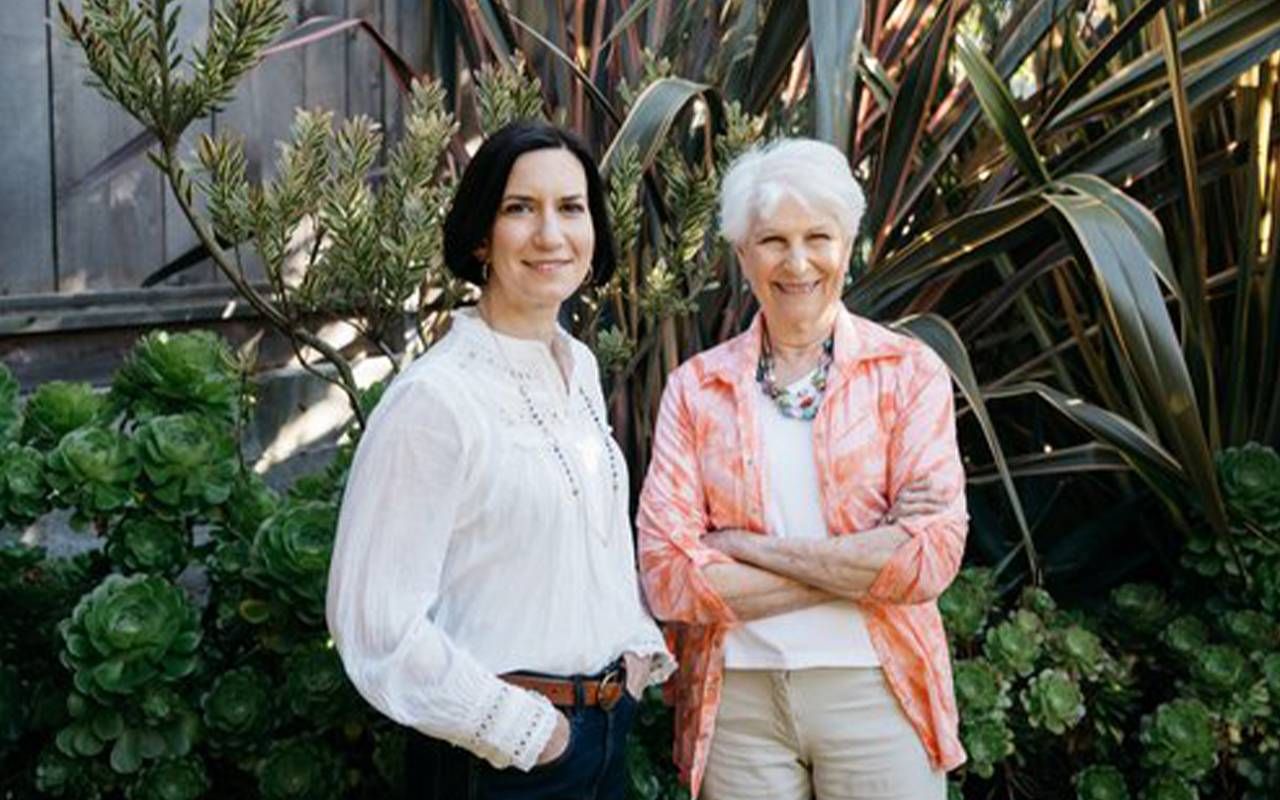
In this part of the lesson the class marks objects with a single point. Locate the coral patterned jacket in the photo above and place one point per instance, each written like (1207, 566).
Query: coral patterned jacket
(886, 420)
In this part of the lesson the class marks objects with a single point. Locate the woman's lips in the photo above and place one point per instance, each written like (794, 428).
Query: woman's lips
(547, 267)
(805, 288)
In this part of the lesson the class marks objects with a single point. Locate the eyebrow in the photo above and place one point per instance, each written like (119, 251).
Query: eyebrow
(529, 197)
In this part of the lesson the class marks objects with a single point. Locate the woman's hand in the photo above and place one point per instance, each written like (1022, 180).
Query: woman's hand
(559, 741)
(638, 668)
(915, 499)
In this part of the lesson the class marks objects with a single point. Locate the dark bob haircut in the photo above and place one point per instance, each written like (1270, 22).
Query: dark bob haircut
(475, 204)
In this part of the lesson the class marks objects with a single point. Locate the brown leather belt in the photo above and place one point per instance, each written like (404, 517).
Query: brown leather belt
(604, 691)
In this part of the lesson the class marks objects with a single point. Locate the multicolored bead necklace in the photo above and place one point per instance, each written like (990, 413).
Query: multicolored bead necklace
(802, 401)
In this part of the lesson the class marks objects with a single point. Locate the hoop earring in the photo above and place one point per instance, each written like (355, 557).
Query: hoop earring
(484, 270)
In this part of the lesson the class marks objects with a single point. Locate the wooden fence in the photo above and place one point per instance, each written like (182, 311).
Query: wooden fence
(81, 208)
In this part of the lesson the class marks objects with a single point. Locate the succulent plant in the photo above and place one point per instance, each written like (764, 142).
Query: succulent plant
(1101, 782)
(251, 502)
(988, 741)
(238, 708)
(60, 775)
(1038, 601)
(1186, 636)
(1141, 607)
(179, 373)
(1179, 736)
(174, 779)
(980, 690)
(1053, 701)
(93, 469)
(316, 687)
(1271, 672)
(290, 555)
(24, 491)
(189, 462)
(967, 602)
(1250, 478)
(300, 769)
(150, 544)
(1222, 669)
(1014, 645)
(1079, 651)
(129, 632)
(58, 407)
(1169, 787)
(1251, 629)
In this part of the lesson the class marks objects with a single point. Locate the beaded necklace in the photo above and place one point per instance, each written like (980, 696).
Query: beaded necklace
(540, 420)
(802, 401)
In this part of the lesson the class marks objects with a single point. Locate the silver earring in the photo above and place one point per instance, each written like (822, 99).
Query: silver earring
(484, 270)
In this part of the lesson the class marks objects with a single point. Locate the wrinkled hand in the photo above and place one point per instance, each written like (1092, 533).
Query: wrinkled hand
(726, 540)
(916, 499)
(637, 673)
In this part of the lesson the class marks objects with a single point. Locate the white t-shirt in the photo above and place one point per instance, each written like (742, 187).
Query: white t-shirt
(829, 635)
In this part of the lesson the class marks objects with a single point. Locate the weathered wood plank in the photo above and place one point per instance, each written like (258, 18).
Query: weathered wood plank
(110, 230)
(325, 61)
(365, 74)
(26, 180)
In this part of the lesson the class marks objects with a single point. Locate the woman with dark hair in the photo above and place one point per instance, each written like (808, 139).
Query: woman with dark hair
(483, 588)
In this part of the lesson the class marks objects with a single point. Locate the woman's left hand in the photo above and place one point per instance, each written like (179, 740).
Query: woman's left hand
(914, 500)
(637, 673)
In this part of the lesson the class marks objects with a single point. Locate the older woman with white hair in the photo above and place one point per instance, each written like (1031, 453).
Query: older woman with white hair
(803, 510)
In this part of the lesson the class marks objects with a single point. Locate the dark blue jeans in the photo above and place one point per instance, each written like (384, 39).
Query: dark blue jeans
(592, 767)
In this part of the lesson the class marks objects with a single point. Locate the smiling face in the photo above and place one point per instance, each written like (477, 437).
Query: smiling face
(795, 261)
(539, 250)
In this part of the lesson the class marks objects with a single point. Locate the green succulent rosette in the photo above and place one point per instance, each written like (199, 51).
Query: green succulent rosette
(60, 775)
(1270, 668)
(175, 779)
(1186, 636)
(58, 408)
(10, 415)
(1141, 607)
(1101, 782)
(251, 502)
(1169, 787)
(290, 556)
(1180, 737)
(238, 708)
(1251, 630)
(24, 490)
(189, 462)
(1079, 651)
(149, 544)
(129, 632)
(1221, 669)
(1038, 602)
(967, 602)
(980, 691)
(300, 769)
(316, 686)
(1014, 645)
(988, 741)
(153, 724)
(1250, 479)
(1053, 701)
(169, 373)
(93, 470)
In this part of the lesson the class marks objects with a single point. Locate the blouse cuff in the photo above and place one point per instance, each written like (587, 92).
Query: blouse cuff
(661, 664)
(515, 728)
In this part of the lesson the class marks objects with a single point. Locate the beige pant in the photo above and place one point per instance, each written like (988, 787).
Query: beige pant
(837, 734)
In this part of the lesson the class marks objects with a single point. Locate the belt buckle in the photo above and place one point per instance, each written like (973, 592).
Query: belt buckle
(613, 676)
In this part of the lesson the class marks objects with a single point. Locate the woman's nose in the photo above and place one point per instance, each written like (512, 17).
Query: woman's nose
(549, 232)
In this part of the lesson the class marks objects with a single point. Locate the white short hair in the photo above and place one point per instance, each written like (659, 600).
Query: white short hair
(813, 172)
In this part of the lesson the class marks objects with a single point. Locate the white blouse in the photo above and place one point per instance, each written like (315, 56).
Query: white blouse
(485, 529)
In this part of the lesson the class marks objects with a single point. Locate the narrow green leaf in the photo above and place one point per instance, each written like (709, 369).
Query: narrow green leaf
(997, 105)
(835, 31)
(1083, 458)
(777, 43)
(626, 20)
(905, 123)
(943, 339)
(1140, 322)
(652, 115)
(592, 91)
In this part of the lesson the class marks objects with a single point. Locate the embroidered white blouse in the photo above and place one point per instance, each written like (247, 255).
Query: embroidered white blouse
(485, 529)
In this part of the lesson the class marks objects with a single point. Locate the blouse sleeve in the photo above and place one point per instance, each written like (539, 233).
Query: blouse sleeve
(398, 516)
(672, 518)
(923, 445)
